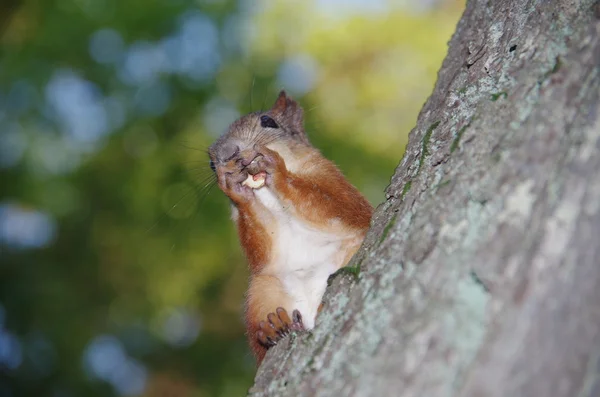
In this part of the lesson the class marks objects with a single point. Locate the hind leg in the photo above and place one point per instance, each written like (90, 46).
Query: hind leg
(267, 314)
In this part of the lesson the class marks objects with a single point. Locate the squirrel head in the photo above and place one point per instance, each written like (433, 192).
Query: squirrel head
(283, 122)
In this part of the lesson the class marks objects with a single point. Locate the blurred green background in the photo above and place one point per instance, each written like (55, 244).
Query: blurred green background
(120, 271)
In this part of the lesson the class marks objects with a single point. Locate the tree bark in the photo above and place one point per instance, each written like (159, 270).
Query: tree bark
(480, 275)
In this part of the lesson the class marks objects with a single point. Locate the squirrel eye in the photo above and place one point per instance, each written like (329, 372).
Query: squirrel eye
(267, 122)
(212, 166)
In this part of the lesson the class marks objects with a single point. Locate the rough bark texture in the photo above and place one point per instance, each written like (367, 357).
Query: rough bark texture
(481, 273)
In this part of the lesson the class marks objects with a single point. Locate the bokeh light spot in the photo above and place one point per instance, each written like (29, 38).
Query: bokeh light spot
(105, 359)
(181, 327)
(24, 228)
(78, 107)
(106, 46)
(153, 98)
(298, 74)
(11, 354)
(218, 113)
(12, 145)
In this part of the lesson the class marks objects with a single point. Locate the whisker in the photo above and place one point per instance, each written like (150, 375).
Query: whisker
(170, 210)
(252, 92)
(200, 169)
(202, 191)
(269, 138)
(251, 134)
(207, 188)
(266, 94)
(206, 178)
(192, 148)
(200, 163)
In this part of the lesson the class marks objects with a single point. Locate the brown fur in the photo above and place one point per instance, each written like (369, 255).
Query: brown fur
(254, 238)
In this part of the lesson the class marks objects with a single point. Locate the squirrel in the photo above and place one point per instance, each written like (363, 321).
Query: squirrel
(298, 218)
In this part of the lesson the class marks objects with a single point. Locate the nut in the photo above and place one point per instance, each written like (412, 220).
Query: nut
(255, 181)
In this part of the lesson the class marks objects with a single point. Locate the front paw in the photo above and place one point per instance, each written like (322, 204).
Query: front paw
(231, 183)
(269, 162)
(278, 326)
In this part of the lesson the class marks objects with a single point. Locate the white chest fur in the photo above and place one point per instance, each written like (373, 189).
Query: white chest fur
(303, 257)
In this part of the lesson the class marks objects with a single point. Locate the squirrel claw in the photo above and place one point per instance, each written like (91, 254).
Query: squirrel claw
(265, 340)
(297, 324)
(278, 326)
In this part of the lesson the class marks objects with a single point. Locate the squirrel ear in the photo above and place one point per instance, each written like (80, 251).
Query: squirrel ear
(281, 103)
(291, 113)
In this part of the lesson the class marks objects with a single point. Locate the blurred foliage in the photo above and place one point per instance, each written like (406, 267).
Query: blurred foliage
(120, 271)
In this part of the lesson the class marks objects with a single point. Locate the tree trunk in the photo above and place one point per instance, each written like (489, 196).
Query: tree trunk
(480, 275)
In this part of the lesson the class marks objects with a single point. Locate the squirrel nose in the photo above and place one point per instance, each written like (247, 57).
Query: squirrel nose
(248, 157)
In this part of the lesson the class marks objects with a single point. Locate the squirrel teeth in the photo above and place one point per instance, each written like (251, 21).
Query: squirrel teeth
(255, 181)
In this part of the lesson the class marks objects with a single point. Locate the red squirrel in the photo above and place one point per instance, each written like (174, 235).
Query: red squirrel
(298, 218)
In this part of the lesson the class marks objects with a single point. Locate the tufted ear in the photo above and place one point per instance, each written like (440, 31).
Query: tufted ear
(290, 114)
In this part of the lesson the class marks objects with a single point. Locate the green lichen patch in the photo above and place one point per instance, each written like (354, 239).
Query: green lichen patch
(462, 90)
(496, 157)
(478, 281)
(443, 183)
(387, 228)
(405, 189)
(353, 271)
(426, 138)
(459, 135)
(498, 95)
(555, 68)
(557, 65)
